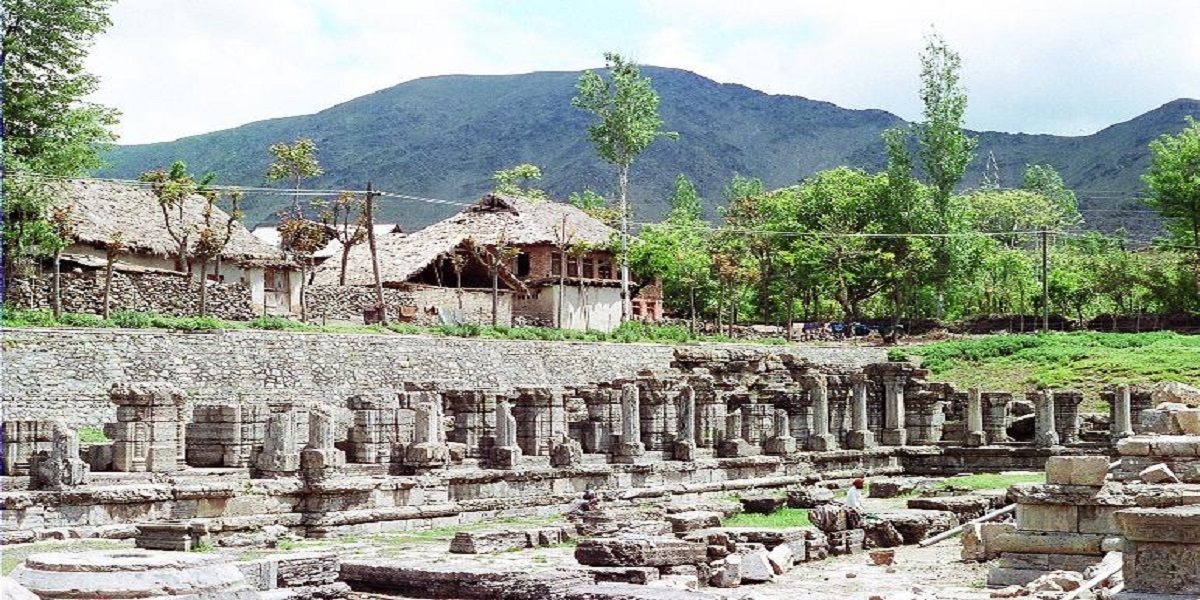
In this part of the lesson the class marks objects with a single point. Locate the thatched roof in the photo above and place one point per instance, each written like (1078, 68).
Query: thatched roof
(519, 222)
(100, 209)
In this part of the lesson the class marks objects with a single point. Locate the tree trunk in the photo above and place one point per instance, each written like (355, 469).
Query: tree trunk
(345, 259)
(623, 186)
(56, 287)
(203, 288)
(692, 307)
(495, 296)
(108, 277)
(562, 282)
(303, 290)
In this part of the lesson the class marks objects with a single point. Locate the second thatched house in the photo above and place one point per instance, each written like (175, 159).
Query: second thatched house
(101, 213)
(550, 262)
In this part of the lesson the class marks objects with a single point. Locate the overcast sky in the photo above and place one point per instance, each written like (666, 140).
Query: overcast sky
(182, 67)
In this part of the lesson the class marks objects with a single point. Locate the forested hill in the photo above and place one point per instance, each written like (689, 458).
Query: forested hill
(442, 137)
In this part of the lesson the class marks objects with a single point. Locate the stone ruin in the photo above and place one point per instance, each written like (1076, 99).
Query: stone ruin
(719, 421)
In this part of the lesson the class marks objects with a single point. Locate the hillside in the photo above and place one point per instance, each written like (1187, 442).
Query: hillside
(442, 137)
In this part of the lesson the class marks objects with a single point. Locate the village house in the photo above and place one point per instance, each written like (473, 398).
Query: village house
(331, 250)
(101, 210)
(553, 268)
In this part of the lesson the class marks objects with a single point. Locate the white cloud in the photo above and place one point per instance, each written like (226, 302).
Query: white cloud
(181, 67)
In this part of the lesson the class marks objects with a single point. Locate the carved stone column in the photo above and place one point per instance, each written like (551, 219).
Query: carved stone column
(894, 432)
(821, 440)
(976, 436)
(860, 437)
(1043, 405)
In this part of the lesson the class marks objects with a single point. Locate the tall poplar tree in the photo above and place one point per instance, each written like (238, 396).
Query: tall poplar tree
(626, 108)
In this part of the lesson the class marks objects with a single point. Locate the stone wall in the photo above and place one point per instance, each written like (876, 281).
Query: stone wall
(66, 374)
(163, 293)
(426, 305)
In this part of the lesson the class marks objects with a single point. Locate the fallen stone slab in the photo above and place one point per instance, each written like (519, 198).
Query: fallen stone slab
(762, 504)
(458, 581)
(894, 487)
(727, 508)
(1174, 525)
(634, 575)
(132, 574)
(505, 540)
(683, 522)
(1077, 470)
(727, 573)
(967, 506)
(625, 591)
(809, 497)
(639, 552)
(756, 566)
(916, 524)
(1159, 473)
(1022, 542)
(781, 558)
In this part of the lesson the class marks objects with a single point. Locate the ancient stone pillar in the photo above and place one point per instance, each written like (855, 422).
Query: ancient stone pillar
(150, 432)
(319, 456)
(685, 442)
(279, 455)
(734, 445)
(976, 436)
(1043, 406)
(995, 422)
(429, 448)
(1066, 415)
(61, 467)
(782, 443)
(1122, 416)
(860, 437)
(505, 453)
(630, 447)
(821, 440)
(894, 432)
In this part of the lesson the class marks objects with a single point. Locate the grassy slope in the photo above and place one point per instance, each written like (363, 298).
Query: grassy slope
(1086, 361)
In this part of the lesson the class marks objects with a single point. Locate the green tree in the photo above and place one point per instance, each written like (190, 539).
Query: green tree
(173, 188)
(945, 148)
(515, 181)
(677, 250)
(46, 126)
(1174, 182)
(294, 162)
(1015, 213)
(626, 108)
(1045, 180)
(345, 220)
(213, 236)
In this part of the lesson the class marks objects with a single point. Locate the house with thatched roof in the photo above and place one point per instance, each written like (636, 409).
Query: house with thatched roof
(549, 262)
(101, 210)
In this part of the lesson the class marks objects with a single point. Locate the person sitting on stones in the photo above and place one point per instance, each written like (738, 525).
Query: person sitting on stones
(854, 495)
(588, 503)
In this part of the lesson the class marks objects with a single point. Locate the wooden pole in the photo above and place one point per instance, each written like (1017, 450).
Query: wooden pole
(374, 256)
(947, 534)
(1045, 283)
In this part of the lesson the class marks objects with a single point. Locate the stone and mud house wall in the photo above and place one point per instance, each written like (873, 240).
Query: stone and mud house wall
(66, 374)
(424, 305)
(172, 294)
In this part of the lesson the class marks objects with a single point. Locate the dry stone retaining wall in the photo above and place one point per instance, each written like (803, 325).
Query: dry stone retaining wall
(173, 295)
(66, 373)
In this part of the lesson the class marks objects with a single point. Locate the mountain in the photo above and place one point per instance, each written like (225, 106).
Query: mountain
(442, 137)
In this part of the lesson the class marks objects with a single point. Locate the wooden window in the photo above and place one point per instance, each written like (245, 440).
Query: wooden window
(523, 266)
(605, 268)
(572, 267)
(589, 267)
(556, 260)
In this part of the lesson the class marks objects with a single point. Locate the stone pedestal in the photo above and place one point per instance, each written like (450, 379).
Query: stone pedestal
(976, 436)
(1045, 434)
(733, 446)
(860, 437)
(320, 459)
(129, 573)
(894, 432)
(429, 449)
(566, 453)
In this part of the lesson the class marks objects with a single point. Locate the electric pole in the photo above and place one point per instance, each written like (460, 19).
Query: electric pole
(371, 194)
(1045, 282)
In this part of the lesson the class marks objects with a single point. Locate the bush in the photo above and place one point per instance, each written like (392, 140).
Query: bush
(73, 320)
(92, 435)
(897, 355)
(132, 320)
(15, 317)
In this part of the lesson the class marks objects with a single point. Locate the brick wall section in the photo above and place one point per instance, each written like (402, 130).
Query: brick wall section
(61, 373)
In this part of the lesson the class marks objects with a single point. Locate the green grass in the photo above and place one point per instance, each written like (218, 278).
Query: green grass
(993, 481)
(14, 555)
(780, 519)
(92, 435)
(631, 332)
(1087, 361)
